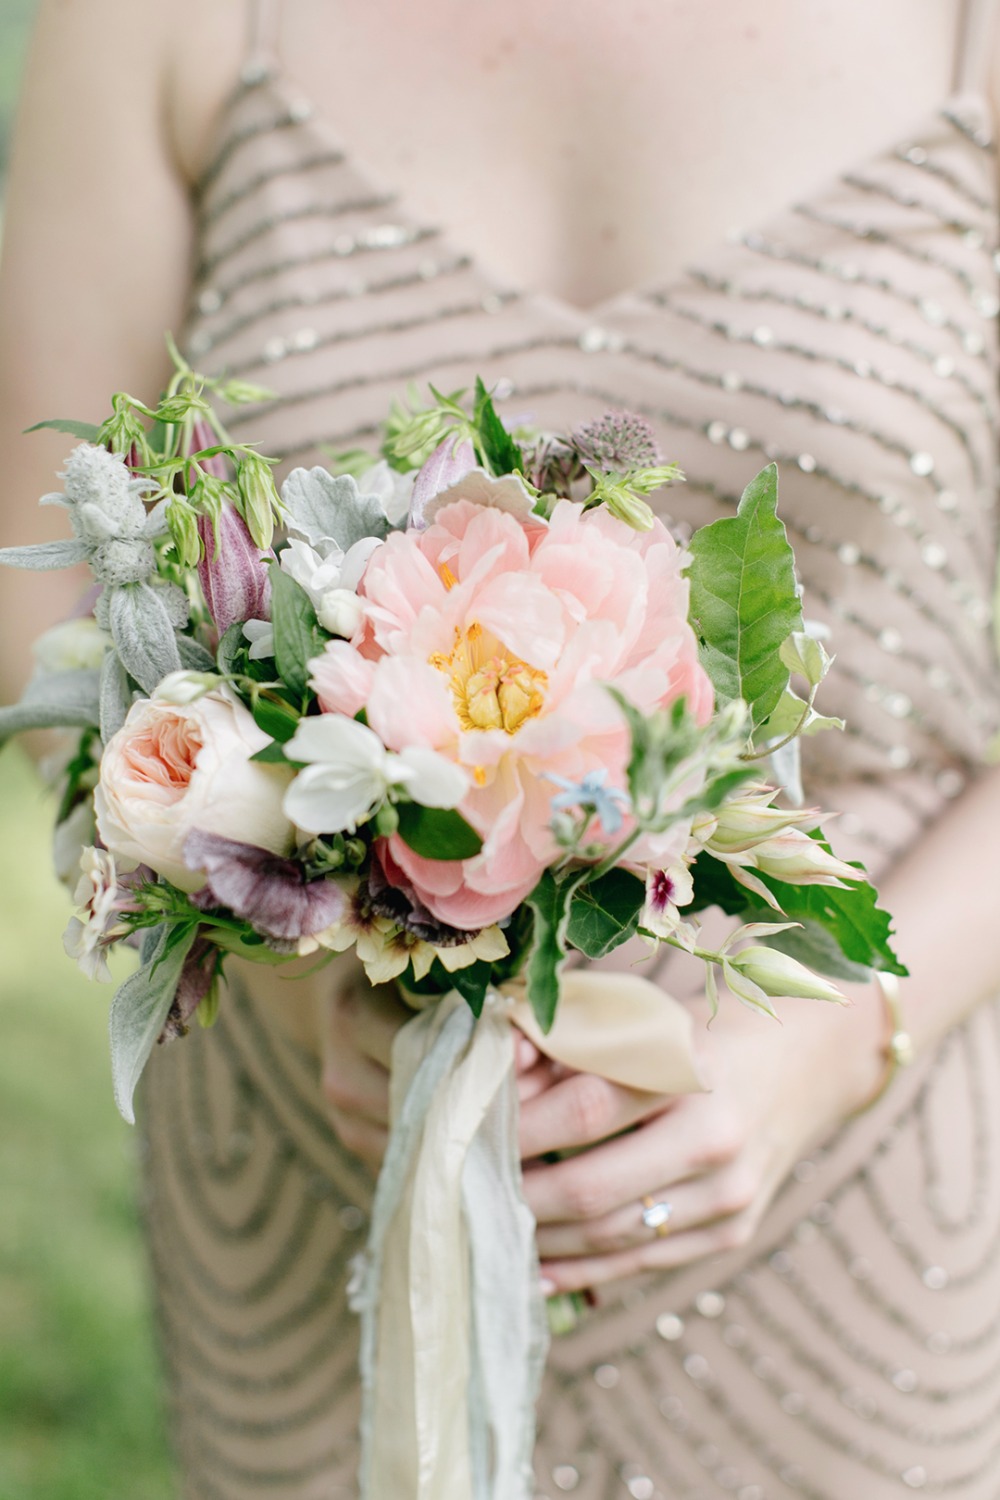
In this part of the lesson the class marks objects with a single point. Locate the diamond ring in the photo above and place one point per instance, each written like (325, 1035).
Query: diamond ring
(656, 1215)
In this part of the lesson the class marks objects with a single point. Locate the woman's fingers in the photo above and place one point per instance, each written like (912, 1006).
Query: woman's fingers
(699, 1202)
(581, 1272)
(580, 1110)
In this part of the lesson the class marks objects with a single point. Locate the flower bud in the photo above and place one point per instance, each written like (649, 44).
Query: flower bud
(779, 975)
(341, 612)
(259, 500)
(202, 437)
(623, 503)
(183, 524)
(232, 572)
(182, 688)
(243, 392)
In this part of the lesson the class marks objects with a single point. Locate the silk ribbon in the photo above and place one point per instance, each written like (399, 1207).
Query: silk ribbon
(453, 1325)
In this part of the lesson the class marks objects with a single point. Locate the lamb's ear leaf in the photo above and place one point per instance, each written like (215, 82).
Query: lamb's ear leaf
(141, 1006)
(54, 700)
(143, 634)
(116, 694)
(86, 431)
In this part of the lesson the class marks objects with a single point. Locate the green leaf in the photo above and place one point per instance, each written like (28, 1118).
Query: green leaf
(845, 933)
(43, 556)
(115, 695)
(232, 646)
(744, 603)
(54, 700)
(550, 905)
(141, 1006)
(297, 634)
(322, 508)
(274, 755)
(437, 832)
(142, 633)
(279, 720)
(605, 913)
(84, 430)
(472, 984)
(498, 448)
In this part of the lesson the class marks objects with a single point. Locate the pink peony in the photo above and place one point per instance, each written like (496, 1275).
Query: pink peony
(491, 639)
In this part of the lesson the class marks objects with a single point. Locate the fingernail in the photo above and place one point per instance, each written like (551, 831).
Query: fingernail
(547, 1288)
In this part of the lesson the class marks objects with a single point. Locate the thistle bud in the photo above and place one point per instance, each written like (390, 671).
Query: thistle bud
(233, 574)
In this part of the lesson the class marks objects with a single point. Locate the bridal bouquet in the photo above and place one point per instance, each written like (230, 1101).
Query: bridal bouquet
(474, 711)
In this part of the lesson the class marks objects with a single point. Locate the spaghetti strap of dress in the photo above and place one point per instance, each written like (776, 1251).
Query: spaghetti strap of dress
(263, 27)
(975, 44)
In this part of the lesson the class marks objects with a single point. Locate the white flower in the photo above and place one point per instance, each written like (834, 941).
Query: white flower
(88, 935)
(331, 578)
(71, 646)
(350, 773)
(390, 488)
(260, 634)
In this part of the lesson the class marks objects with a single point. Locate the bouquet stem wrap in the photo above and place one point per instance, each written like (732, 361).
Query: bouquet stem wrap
(453, 1325)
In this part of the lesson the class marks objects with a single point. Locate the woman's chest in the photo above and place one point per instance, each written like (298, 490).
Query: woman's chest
(583, 148)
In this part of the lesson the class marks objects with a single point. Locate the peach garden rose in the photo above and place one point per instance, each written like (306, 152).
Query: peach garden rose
(174, 768)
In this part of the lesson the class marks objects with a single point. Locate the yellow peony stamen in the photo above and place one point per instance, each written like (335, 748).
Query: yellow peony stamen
(492, 689)
(447, 577)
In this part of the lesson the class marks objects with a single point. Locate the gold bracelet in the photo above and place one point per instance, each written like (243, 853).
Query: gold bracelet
(897, 1049)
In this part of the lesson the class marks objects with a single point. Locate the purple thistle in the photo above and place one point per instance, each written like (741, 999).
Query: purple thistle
(271, 893)
(617, 442)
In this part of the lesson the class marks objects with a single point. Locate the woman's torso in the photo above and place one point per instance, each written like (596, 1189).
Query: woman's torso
(850, 334)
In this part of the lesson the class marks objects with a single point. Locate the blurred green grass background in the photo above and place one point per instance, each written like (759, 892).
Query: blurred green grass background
(80, 1411)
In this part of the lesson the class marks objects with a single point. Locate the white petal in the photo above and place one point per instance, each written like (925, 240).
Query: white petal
(325, 799)
(334, 739)
(431, 779)
(356, 561)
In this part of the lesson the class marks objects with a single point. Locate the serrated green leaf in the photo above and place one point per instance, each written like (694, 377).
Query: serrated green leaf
(86, 431)
(495, 443)
(856, 931)
(604, 913)
(297, 633)
(793, 716)
(744, 603)
(437, 832)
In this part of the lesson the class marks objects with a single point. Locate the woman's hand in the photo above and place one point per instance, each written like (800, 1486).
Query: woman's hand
(359, 1024)
(717, 1158)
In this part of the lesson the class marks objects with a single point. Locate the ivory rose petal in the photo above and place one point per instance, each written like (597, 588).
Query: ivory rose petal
(173, 768)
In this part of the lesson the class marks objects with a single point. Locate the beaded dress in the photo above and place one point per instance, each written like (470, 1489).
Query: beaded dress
(852, 1352)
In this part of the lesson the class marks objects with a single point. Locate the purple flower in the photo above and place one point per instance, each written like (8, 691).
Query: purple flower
(449, 462)
(271, 893)
(234, 577)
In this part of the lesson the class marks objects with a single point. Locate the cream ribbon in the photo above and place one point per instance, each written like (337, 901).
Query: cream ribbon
(453, 1326)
